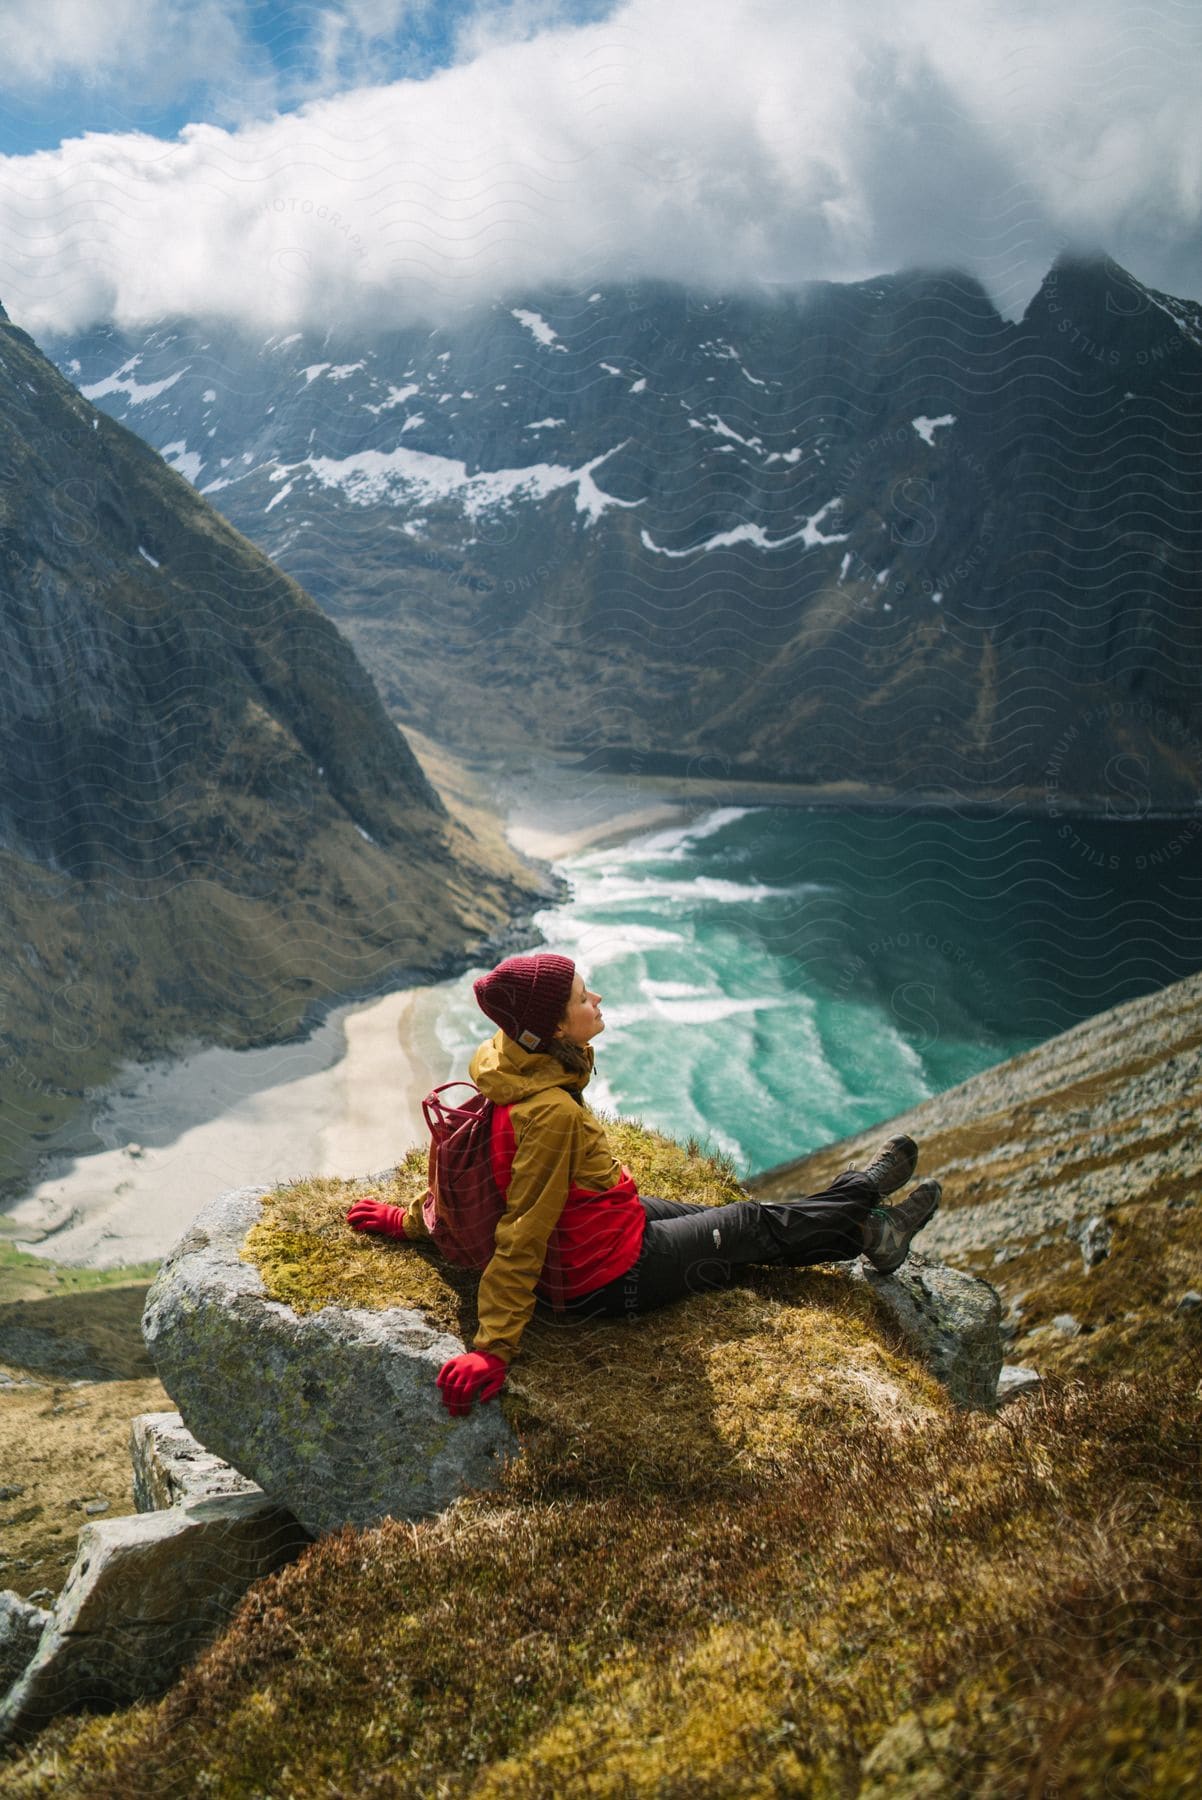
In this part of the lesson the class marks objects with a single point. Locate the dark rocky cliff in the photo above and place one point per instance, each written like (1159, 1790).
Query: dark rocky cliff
(158, 669)
(208, 824)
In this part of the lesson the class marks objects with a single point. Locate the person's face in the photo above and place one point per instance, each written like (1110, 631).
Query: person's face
(582, 1020)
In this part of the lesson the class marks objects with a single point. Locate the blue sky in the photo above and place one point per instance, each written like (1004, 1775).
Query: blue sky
(387, 160)
(254, 57)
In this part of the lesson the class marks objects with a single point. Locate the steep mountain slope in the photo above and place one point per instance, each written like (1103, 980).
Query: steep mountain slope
(869, 530)
(208, 824)
(1070, 1183)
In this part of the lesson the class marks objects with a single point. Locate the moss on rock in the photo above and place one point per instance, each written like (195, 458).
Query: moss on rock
(689, 1398)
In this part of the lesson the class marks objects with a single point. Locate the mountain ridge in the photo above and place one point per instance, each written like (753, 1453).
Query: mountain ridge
(868, 531)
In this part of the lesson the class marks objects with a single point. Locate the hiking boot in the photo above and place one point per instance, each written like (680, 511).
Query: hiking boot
(893, 1165)
(890, 1228)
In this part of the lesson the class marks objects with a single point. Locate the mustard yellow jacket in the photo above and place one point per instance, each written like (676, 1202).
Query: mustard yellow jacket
(558, 1141)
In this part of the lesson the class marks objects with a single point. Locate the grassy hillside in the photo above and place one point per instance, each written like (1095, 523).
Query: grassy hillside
(73, 1372)
(750, 1549)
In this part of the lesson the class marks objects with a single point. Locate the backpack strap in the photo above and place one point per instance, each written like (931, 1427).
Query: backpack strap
(441, 1117)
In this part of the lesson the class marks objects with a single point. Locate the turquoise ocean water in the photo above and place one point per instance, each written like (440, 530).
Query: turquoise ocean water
(773, 979)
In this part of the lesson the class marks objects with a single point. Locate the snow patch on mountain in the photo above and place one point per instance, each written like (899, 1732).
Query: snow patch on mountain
(374, 476)
(121, 382)
(808, 534)
(1186, 315)
(535, 323)
(926, 428)
(185, 462)
(727, 353)
(396, 395)
(714, 422)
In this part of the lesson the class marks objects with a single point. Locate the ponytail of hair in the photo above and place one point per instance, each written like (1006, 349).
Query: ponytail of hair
(569, 1056)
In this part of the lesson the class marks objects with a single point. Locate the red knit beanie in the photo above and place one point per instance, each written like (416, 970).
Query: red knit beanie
(527, 996)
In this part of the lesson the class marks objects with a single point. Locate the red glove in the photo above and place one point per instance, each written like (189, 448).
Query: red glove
(476, 1375)
(369, 1214)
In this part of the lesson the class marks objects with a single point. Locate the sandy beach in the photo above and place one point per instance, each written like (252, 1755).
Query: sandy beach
(345, 1101)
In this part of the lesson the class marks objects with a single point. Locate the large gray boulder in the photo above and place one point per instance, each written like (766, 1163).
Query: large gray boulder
(951, 1319)
(334, 1414)
(144, 1595)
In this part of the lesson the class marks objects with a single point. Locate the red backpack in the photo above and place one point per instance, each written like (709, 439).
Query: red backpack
(471, 1151)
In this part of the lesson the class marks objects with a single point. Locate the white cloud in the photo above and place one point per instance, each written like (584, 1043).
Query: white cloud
(123, 46)
(716, 141)
(347, 38)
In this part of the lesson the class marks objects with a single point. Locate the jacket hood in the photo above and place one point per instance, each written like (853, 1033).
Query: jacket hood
(506, 1073)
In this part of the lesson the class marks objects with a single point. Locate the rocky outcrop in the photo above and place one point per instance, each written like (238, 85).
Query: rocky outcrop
(950, 1319)
(1069, 1179)
(1015, 1380)
(335, 1413)
(171, 1469)
(21, 1627)
(145, 1594)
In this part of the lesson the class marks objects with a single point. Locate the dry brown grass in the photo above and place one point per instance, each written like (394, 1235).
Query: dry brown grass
(961, 1605)
(993, 1607)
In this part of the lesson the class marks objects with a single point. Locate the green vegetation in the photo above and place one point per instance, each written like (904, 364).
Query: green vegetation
(24, 1277)
(750, 1549)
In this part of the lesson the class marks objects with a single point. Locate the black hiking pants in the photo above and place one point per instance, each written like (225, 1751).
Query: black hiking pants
(690, 1249)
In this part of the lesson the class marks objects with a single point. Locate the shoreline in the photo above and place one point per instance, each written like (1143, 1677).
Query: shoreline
(699, 794)
(344, 1100)
(555, 846)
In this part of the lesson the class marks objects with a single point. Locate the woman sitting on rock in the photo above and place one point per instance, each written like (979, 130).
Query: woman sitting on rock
(575, 1228)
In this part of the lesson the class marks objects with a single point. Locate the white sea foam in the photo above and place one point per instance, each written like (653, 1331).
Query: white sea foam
(623, 887)
(674, 844)
(594, 943)
(672, 990)
(701, 1009)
